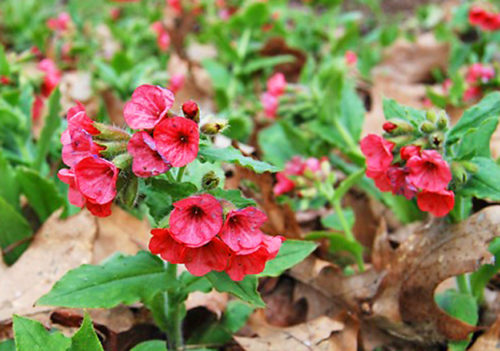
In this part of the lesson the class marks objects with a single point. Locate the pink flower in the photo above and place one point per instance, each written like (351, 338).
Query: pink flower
(476, 15)
(176, 82)
(162, 36)
(276, 84)
(255, 262)
(313, 164)
(380, 178)
(147, 162)
(196, 220)
(177, 140)
(96, 179)
(472, 93)
(51, 78)
(438, 203)
(447, 83)
(241, 230)
(213, 256)
(378, 152)
(389, 127)
(408, 151)
(480, 72)
(295, 166)
(149, 104)
(77, 146)
(175, 5)
(350, 57)
(59, 23)
(270, 104)
(37, 107)
(429, 171)
(400, 184)
(75, 197)
(284, 184)
(78, 119)
(191, 110)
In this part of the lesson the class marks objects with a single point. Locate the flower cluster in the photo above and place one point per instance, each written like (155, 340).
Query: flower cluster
(60, 23)
(487, 21)
(411, 168)
(300, 174)
(476, 76)
(276, 86)
(162, 36)
(201, 238)
(51, 78)
(96, 153)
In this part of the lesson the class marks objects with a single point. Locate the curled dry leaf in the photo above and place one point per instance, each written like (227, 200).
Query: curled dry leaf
(489, 340)
(59, 245)
(400, 298)
(315, 335)
(213, 301)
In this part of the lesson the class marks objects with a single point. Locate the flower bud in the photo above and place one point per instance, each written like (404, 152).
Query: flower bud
(191, 110)
(213, 128)
(436, 139)
(397, 127)
(112, 148)
(210, 181)
(308, 193)
(389, 127)
(110, 133)
(442, 122)
(459, 172)
(471, 167)
(431, 116)
(130, 191)
(427, 127)
(123, 161)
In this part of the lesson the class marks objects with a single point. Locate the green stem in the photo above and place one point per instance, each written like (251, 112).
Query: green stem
(463, 285)
(173, 313)
(170, 176)
(180, 174)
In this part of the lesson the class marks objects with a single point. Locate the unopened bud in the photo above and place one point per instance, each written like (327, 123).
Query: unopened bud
(389, 127)
(210, 181)
(112, 148)
(431, 116)
(400, 140)
(442, 122)
(123, 161)
(470, 166)
(110, 133)
(427, 127)
(436, 139)
(308, 193)
(130, 191)
(213, 128)
(459, 172)
(191, 110)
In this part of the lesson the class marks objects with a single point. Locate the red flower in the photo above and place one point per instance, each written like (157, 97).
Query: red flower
(77, 145)
(295, 166)
(389, 126)
(490, 22)
(196, 220)
(213, 256)
(191, 110)
(380, 178)
(175, 5)
(378, 152)
(270, 104)
(162, 243)
(429, 171)
(162, 36)
(59, 23)
(254, 263)
(438, 203)
(408, 151)
(476, 15)
(51, 78)
(147, 162)
(472, 93)
(176, 82)
(241, 230)
(78, 119)
(149, 104)
(480, 72)
(284, 184)
(350, 57)
(177, 140)
(400, 184)
(75, 197)
(276, 84)
(96, 179)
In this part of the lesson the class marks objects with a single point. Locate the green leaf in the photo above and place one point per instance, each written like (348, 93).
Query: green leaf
(392, 109)
(232, 155)
(275, 146)
(266, 62)
(347, 183)
(13, 228)
(121, 279)
(485, 183)
(7, 345)
(32, 336)
(291, 253)
(233, 196)
(52, 123)
(352, 111)
(153, 345)
(476, 141)
(480, 278)
(85, 339)
(218, 72)
(9, 189)
(4, 64)
(333, 222)
(487, 108)
(338, 242)
(245, 289)
(221, 331)
(42, 193)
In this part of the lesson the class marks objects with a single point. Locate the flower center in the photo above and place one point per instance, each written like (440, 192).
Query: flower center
(196, 211)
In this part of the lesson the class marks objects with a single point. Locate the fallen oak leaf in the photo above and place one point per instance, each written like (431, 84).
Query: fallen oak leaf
(489, 340)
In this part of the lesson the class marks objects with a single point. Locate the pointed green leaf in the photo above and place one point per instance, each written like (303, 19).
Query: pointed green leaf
(245, 289)
(13, 229)
(234, 196)
(120, 279)
(232, 155)
(31, 335)
(7, 345)
(52, 123)
(85, 339)
(291, 253)
(485, 183)
(152, 345)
